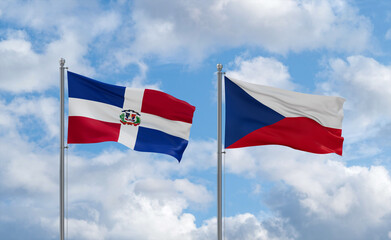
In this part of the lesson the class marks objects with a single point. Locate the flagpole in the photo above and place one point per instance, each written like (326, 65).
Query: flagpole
(219, 152)
(62, 146)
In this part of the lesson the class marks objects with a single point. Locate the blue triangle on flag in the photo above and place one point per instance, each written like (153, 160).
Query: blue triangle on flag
(244, 114)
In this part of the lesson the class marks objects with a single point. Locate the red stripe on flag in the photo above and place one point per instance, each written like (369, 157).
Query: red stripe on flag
(299, 133)
(88, 130)
(166, 106)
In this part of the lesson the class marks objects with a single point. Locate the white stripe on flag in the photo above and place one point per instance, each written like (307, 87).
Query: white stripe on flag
(128, 135)
(133, 99)
(96, 110)
(175, 128)
(326, 110)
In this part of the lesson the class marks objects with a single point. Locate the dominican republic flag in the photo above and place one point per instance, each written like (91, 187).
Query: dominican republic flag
(142, 119)
(261, 115)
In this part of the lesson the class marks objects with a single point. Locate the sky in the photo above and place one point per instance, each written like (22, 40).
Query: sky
(326, 47)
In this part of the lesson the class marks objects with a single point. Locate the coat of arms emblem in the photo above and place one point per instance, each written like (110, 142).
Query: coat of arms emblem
(130, 117)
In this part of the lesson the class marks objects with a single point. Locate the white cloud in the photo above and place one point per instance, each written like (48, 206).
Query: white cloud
(26, 165)
(151, 219)
(52, 17)
(168, 189)
(81, 229)
(325, 191)
(24, 70)
(327, 188)
(200, 155)
(261, 70)
(31, 57)
(194, 29)
(331, 190)
(77, 229)
(246, 226)
(28, 114)
(175, 31)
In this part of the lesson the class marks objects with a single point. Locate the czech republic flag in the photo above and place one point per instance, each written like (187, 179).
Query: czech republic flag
(141, 119)
(261, 115)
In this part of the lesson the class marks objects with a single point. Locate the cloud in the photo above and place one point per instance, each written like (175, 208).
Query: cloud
(31, 56)
(29, 172)
(330, 190)
(30, 112)
(175, 31)
(168, 189)
(192, 30)
(25, 70)
(152, 219)
(85, 34)
(261, 70)
(28, 126)
(52, 18)
(247, 226)
(316, 191)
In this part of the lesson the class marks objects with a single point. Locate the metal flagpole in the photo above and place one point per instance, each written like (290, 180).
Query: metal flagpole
(219, 152)
(62, 146)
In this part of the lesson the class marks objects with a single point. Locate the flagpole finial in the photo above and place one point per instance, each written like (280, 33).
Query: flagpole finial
(219, 67)
(62, 61)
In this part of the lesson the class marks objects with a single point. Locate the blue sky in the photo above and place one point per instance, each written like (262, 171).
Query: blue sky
(327, 47)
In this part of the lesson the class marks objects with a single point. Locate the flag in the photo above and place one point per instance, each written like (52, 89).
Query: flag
(262, 115)
(142, 119)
